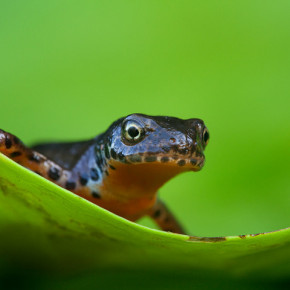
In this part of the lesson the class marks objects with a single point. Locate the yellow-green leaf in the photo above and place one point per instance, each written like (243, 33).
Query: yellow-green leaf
(42, 224)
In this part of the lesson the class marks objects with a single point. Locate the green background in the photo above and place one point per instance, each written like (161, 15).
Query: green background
(68, 69)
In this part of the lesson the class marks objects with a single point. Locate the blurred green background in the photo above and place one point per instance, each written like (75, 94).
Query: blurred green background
(68, 69)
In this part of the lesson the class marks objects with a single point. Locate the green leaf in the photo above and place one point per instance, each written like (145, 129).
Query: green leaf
(42, 224)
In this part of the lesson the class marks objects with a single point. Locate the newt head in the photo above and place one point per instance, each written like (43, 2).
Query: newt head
(143, 152)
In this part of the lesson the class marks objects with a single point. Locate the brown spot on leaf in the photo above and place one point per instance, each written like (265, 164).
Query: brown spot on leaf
(207, 239)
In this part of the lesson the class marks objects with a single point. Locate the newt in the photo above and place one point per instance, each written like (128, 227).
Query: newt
(121, 169)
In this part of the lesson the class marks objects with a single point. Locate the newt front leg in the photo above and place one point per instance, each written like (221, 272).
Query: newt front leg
(164, 218)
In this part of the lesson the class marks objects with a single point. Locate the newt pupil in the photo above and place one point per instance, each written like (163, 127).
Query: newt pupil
(133, 132)
(206, 137)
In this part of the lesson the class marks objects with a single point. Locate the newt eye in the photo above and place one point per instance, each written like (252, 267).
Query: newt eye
(133, 131)
(205, 136)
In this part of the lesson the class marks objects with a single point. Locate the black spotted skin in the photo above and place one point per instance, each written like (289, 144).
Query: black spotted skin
(123, 168)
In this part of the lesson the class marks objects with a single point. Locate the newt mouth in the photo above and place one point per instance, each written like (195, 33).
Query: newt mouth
(191, 162)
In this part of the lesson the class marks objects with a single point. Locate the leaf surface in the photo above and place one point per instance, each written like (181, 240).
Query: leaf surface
(45, 225)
